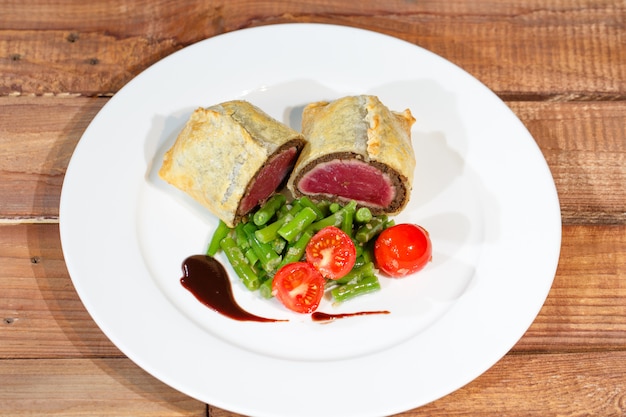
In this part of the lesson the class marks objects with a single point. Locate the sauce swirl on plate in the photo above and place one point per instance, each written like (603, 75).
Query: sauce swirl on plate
(319, 316)
(207, 280)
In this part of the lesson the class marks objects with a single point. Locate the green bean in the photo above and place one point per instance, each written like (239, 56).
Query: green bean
(351, 206)
(251, 256)
(301, 221)
(278, 244)
(270, 232)
(248, 228)
(334, 219)
(282, 210)
(366, 232)
(295, 252)
(348, 218)
(267, 257)
(221, 231)
(268, 209)
(306, 202)
(359, 262)
(366, 285)
(278, 233)
(240, 237)
(288, 210)
(265, 289)
(367, 254)
(294, 208)
(263, 276)
(363, 215)
(238, 261)
(358, 273)
(358, 247)
(323, 206)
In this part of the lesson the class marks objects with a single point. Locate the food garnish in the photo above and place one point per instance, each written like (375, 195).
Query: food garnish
(402, 250)
(350, 168)
(298, 250)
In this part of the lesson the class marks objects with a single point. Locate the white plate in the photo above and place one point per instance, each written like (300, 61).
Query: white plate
(482, 189)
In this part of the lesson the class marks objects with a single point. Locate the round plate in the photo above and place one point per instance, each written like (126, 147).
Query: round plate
(482, 189)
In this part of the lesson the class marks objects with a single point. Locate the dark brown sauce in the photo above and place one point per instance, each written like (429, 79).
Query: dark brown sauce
(319, 316)
(207, 280)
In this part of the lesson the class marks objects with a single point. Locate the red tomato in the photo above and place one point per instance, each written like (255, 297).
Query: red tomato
(332, 252)
(402, 249)
(299, 286)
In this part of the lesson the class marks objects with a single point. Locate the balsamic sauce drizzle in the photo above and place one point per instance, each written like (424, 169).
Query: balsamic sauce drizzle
(319, 316)
(206, 278)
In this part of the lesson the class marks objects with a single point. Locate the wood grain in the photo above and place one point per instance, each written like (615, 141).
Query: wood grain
(584, 145)
(555, 385)
(581, 141)
(81, 387)
(586, 307)
(42, 317)
(95, 49)
(541, 385)
(37, 139)
(559, 65)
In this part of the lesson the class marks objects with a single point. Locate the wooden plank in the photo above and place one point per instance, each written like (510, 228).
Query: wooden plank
(583, 143)
(537, 55)
(88, 387)
(96, 50)
(541, 385)
(58, 62)
(37, 139)
(586, 307)
(594, 382)
(42, 317)
(533, 385)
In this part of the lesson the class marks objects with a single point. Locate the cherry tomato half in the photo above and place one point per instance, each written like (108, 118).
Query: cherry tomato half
(299, 286)
(402, 249)
(332, 252)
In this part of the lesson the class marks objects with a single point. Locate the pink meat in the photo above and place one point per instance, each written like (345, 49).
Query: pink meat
(351, 179)
(271, 175)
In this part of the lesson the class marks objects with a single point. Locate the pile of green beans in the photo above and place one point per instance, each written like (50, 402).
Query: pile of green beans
(278, 233)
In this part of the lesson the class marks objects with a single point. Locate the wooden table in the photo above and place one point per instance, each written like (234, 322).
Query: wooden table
(559, 65)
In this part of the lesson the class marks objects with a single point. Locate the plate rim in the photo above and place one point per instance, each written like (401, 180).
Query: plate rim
(64, 223)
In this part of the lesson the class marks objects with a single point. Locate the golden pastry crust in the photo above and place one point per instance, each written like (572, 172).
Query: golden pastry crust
(220, 151)
(361, 128)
